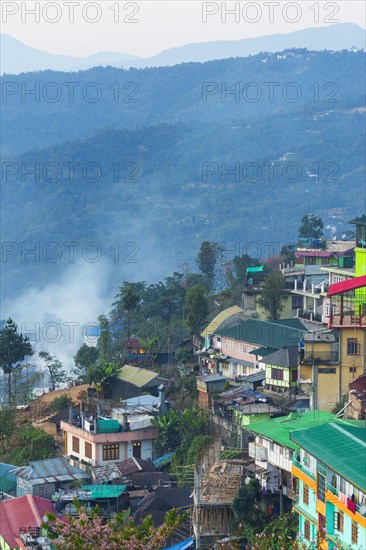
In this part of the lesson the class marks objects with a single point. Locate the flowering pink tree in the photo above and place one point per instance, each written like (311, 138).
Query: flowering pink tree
(90, 532)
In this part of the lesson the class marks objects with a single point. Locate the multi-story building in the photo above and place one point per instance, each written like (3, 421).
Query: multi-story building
(329, 468)
(319, 370)
(96, 441)
(282, 369)
(315, 257)
(273, 451)
(241, 348)
(348, 316)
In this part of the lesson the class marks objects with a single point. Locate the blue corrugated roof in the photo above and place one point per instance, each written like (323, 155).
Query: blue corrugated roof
(165, 459)
(182, 545)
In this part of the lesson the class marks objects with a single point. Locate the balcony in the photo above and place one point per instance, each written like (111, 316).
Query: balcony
(309, 315)
(258, 451)
(320, 357)
(303, 468)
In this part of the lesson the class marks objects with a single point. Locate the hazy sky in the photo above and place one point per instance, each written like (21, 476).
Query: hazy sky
(144, 28)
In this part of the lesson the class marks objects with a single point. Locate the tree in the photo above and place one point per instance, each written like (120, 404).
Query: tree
(272, 298)
(197, 308)
(60, 403)
(14, 347)
(311, 227)
(101, 374)
(54, 367)
(127, 306)
(105, 339)
(88, 532)
(288, 253)
(7, 424)
(206, 261)
(84, 358)
(246, 507)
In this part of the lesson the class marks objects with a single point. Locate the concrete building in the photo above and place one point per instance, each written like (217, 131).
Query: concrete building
(329, 466)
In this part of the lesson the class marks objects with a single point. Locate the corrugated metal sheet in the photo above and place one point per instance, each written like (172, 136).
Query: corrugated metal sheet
(49, 471)
(345, 286)
(340, 446)
(137, 376)
(219, 319)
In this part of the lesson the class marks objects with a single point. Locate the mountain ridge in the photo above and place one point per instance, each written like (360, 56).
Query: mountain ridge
(18, 57)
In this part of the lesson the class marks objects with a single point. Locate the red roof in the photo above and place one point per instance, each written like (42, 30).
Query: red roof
(345, 286)
(27, 511)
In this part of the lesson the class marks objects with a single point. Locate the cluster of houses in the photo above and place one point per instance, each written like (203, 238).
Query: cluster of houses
(271, 389)
(107, 462)
(286, 378)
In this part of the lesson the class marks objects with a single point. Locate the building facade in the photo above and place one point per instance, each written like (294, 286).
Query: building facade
(329, 468)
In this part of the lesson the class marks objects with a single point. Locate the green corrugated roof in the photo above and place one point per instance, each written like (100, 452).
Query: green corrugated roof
(257, 269)
(105, 491)
(269, 334)
(340, 446)
(8, 480)
(278, 429)
(137, 376)
(108, 426)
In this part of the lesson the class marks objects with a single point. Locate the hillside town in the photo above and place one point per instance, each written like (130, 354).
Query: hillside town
(253, 432)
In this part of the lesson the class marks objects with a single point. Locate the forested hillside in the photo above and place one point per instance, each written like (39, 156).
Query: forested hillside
(151, 167)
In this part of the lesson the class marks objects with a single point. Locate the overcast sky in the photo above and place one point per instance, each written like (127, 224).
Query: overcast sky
(144, 28)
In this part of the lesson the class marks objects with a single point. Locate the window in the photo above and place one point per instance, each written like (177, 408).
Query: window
(354, 533)
(305, 497)
(352, 369)
(338, 522)
(136, 449)
(330, 308)
(277, 374)
(337, 279)
(229, 344)
(352, 346)
(111, 452)
(307, 530)
(293, 375)
(75, 444)
(88, 450)
(326, 370)
(244, 348)
(296, 302)
(321, 487)
(322, 523)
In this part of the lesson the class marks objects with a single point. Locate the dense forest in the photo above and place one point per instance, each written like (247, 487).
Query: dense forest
(164, 158)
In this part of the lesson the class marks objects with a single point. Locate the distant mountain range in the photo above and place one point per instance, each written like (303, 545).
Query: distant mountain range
(17, 57)
(173, 170)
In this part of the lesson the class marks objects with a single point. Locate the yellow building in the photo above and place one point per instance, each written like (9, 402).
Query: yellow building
(320, 370)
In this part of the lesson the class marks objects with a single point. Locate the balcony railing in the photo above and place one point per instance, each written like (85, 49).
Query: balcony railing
(332, 489)
(310, 315)
(303, 468)
(320, 357)
(257, 451)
